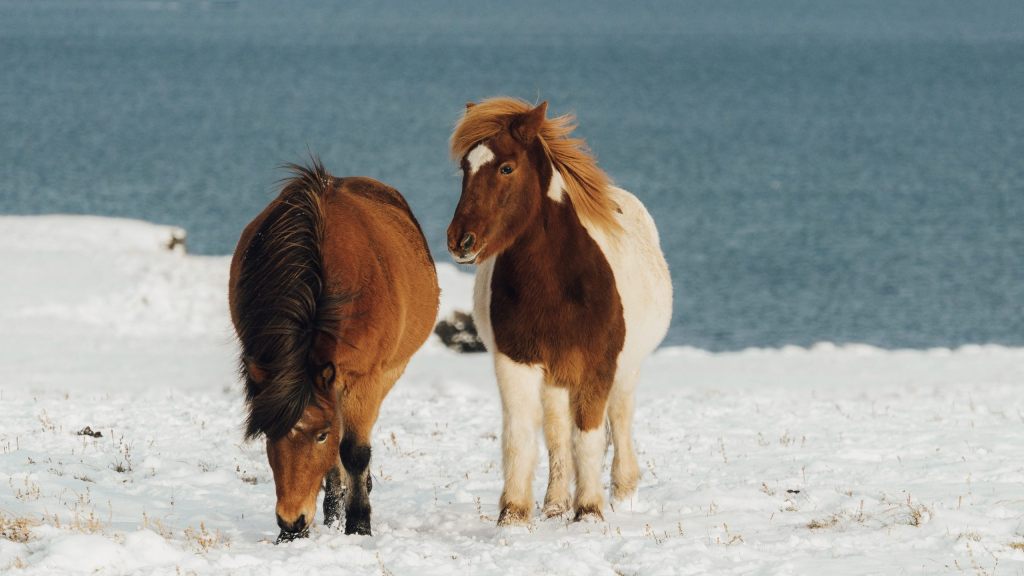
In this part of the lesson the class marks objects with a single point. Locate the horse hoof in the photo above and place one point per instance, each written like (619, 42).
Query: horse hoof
(358, 528)
(588, 512)
(511, 515)
(555, 509)
(623, 491)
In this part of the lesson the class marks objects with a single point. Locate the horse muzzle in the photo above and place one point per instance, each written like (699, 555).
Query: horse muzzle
(466, 250)
(292, 530)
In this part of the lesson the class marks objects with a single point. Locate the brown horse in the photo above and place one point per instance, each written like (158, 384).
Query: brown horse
(332, 289)
(572, 293)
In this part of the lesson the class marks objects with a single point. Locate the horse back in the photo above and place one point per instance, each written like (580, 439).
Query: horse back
(375, 251)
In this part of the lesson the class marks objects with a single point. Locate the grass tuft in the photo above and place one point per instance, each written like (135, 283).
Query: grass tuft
(16, 528)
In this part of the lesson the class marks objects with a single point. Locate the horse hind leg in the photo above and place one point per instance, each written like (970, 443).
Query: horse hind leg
(520, 386)
(625, 471)
(558, 436)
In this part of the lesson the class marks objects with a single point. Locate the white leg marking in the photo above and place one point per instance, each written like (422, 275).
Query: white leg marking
(588, 452)
(556, 189)
(558, 435)
(477, 157)
(625, 472)
(520, 387)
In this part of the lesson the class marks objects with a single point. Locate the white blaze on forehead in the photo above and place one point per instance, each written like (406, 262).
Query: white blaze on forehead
(477, 157)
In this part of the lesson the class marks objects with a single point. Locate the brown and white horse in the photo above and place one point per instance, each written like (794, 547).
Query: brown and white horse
(332, 289)
(572, 293)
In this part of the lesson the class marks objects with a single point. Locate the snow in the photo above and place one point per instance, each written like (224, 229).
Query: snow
(828, 460)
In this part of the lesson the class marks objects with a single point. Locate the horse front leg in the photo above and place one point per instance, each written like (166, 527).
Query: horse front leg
(588, 401)
(360, 407)
(520, 387)
(558, 437)
(334, 496)
(355, 458)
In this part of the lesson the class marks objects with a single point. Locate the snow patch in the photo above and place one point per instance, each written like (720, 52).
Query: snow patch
(760, 461)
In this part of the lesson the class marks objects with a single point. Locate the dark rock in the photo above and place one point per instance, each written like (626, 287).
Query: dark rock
(176, 243)
(458, 332)
(87, 431)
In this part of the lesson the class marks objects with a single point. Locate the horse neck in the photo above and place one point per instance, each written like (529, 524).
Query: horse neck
(554, 235)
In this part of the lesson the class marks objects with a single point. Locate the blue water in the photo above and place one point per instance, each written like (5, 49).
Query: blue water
(820, 170)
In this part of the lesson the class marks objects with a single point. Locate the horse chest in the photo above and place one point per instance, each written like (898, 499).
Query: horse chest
(541, 316)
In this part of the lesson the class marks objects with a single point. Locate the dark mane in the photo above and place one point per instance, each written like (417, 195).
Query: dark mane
(284, 303)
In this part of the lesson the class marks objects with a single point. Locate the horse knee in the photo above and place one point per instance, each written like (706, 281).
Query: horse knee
(355, 457)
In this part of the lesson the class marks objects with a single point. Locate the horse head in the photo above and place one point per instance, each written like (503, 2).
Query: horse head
(503, 184)
(302, 456)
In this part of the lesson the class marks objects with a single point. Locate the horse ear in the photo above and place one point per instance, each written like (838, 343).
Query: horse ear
(325, 377)
(527, 126)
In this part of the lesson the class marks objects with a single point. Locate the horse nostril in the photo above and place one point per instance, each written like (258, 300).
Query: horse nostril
(467, 242)
(297, 526)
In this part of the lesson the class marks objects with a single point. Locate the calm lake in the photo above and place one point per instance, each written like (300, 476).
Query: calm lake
(819, 170)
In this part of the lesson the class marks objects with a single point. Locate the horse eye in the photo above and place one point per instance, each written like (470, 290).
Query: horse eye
(321, 438)
(506, 169)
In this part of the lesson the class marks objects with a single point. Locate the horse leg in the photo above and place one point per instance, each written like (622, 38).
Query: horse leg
(589, 444)
(520, 386)
(558, 436)
(625, 471)
(334, 496)
(360, 406)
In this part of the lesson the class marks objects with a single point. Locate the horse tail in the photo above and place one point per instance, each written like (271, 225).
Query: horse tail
(284, 304)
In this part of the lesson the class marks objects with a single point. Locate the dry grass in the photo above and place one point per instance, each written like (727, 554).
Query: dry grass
(82, 521)
(28, 491)
(829, 522)
(202, 540)
(891, 513)
(16, 528)
(157, 526)
(245, 476)
(1017, 545)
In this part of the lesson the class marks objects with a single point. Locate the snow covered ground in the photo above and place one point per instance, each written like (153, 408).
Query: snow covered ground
(832, 460)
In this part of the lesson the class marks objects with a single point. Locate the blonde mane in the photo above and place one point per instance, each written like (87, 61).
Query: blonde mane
(585, 183)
